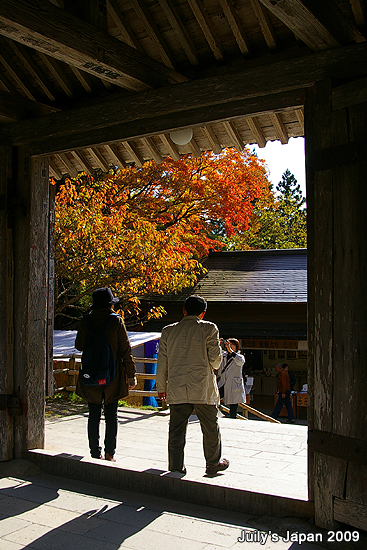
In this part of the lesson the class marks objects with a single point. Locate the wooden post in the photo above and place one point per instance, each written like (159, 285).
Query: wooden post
(6, 302)
(30, 247)
(336, 170)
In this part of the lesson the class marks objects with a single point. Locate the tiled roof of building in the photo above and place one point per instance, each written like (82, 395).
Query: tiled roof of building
(252, 276)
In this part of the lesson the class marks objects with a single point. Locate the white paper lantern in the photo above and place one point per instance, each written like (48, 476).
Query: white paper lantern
(181, 137)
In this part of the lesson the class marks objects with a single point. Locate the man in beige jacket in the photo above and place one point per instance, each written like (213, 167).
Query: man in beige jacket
(189, 352)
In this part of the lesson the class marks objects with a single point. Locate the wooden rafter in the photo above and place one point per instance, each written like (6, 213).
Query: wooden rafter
(265, 23)
(153, 32)
(234, 135)
(202, 18)
(58, 73)
(16, 74)
(70, 168)
(33, 68)
(99, 158)
(83, 161)
(256, 130)
(194, 147)
(133, 152)
(301, 118)
(180, 30)
(123, 26)
(235, 24)
(320, 26)
(153, 150)
(172, 149)
(59, 34)
(17, 107)
(55, 170)
(280, 129)
(212, 139)
(84, 81)
(359, 13)
(116, 155)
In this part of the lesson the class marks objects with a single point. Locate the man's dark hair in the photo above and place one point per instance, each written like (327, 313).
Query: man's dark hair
(195, 305)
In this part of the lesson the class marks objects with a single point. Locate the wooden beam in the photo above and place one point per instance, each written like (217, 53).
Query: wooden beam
(235, 24)
(133, 152)
(180, 30)
(153, 32)
(301, 118)
(57, 72)
(16, 74)
(172, 148)
(207, 28)
(70, 168)
(194, 147)
(153, 150)
(320, 25)
(234, 135)
(116, 155)
(54, 32)
(99, 159)
(123, 26)
(248, 92)
(280, 129)
(256, 129)
(350, 513)
(55, 169)
(265, 24)
(359, 13)
(17, 107)
(212, 139)
(83, 161)
(82, 79)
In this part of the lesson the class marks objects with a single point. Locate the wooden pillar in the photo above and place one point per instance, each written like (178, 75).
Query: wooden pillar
(6, 303)
(30, 253)
(336, 169)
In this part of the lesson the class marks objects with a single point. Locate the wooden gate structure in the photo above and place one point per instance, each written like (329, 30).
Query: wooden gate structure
(89, 84)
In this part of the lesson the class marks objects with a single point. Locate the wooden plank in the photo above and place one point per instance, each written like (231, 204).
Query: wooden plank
(249, 91)
(179, 29)
(152, 149)
(207, 28)
(82, 79)
(70, 168)
(280, 129)
(256, 129)
(17, 107)
(301, 118)
(350, 513)
(321, 26)
(122, 24)
(235, 24)
(134, 153)
(16, 74)
(57, 72)
(143, 393)
(338, 446)
(234, 135)
(6, 305)
(350, 94)
(99, 159)
(247, 408)
(65, 37)
(172, 148)
(226, 409)
(213, 141)
(265, 23)
(116, 155)
(359, 13)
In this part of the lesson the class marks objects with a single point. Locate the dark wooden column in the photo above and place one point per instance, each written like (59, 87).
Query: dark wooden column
(336, 167)
(6, 304)
(30, 253)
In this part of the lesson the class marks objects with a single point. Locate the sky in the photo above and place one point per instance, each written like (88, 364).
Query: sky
(279, 157)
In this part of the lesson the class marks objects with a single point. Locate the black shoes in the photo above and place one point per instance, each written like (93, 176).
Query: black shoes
(213, 469)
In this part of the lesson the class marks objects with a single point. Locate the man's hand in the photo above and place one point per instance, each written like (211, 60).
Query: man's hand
(162, 395)
(132, 382)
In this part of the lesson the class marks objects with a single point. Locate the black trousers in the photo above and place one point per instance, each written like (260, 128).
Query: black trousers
(179, 417)
(94, 419)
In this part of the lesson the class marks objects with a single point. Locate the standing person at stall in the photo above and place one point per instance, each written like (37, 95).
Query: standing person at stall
(189, 353)
(107, 371)
(230, 379)
(284, 393)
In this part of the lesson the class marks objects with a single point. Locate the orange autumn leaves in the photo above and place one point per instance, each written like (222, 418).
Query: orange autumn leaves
(145, 230)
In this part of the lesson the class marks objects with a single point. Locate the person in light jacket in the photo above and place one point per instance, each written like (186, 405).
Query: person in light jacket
(230, 379)
(189, 353)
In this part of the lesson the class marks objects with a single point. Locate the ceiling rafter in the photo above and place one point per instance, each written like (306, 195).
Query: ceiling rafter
(54, 168)
(254, 125)
(16, 74)
(196, 151)
(202, 18)
(265, 23)
(235, 24)
(78, 43)
(70, 168)
(17, 107)
(212, 139)
(84, 81)
(33, 68)
(153, 150)
(115, 154)
(280, 129)
(172, 149)
(58, 73)
(324, 26)
(180, 30)
(359, 13)
(96, 154)
(83, 161)
(301, 118)
(133, 152)
(153, 32)
(234, 135)
(123, 26)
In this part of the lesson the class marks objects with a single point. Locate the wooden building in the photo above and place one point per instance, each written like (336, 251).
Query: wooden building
(87, 84)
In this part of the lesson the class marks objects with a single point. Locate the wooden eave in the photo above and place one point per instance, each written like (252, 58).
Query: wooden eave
(95, 89)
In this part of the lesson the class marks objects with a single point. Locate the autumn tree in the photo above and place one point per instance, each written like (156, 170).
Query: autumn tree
(281, 224)
(145, 230)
